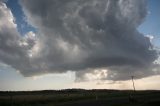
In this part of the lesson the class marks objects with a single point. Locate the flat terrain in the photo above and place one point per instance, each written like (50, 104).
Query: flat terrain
(80, 97)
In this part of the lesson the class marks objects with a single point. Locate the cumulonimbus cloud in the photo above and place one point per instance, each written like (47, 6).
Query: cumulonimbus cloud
(81, 35)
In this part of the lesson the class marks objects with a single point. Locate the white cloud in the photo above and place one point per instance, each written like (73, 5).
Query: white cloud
(7, 19)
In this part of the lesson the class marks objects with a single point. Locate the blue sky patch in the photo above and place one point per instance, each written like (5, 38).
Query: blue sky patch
(23, 26)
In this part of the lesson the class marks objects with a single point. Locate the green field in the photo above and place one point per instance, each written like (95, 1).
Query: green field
(80, 97)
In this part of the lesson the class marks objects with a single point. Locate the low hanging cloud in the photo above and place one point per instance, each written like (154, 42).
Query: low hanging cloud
(81, 36)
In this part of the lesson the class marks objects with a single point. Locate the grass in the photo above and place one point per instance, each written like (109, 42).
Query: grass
(79, 97)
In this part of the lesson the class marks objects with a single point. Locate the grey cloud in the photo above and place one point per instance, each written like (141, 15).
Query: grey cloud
(87, 34)
(12, 52)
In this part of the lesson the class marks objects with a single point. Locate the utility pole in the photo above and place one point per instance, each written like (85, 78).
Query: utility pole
(133, 83)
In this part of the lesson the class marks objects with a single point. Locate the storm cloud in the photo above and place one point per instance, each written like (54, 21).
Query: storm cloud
(81, 36)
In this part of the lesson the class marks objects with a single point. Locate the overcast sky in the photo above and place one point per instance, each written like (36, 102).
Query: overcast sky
(58, 44)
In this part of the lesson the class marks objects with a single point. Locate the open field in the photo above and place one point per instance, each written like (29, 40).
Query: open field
(80, 97)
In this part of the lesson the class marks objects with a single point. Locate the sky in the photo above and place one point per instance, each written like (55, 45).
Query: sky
(90, 44)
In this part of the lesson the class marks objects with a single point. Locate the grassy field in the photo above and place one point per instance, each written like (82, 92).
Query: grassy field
(80, 97)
